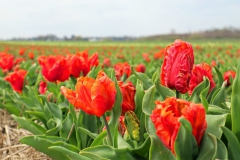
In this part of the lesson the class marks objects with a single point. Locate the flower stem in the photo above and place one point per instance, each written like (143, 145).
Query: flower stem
(108, 130)
(177, 94)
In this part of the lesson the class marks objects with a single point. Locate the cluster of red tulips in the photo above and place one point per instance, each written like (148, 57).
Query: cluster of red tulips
(93, 106)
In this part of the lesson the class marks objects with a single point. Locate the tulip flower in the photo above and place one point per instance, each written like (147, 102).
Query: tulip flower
(165, 119)
(55, 68)
(227, 75)
(42, 87)
(140, 68)
(198, 72)
(16, 79)
(93, 96)
(121, 69)
(6, 61)
(177, 66)
(128, 93)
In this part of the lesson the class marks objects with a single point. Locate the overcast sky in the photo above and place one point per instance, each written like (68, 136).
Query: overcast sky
(27, 18)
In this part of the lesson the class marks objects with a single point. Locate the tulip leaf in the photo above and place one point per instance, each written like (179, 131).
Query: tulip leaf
(143, 150)
(54, 125)
(42, 145)
(217, 110)
(139, 98)
(214, 122)
(233, 144)
(165, 92)
(39, 115)
(208, 147)
(68, 153)
(157, 149)
(148, 101)
(90, 134)
(67, 125)
(99, 139)
(11, 108)
(115, 114)
(235, 103)
(147, 83)
(94, 72)
(200, 88)
(220, 97)
(222, 152)
(204, 103)
(108, 152)
(29, 125)
(220, 77)
(185, 145)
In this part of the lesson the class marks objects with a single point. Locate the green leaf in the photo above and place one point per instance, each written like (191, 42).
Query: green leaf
(139, 98)
(222, 152)
(148, 101)
(208, 147)
(235, 103)
(220, 77)
(99, 139)
(55, 126)
(90, 134)
(157, 149)
(185, 145)
(115, 114)
(204, 103)
(233, 144)
(110, 152)
(165, 92)
(29, 125)
(42, 145)
(220, 97)
(147, 83)
(71, 155)
(143, 150)
(213, 124)
(200, 88)
(94, 72)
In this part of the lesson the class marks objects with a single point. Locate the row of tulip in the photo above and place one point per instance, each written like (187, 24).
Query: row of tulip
(77, 108)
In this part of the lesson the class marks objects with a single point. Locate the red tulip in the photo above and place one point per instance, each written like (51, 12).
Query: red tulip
(166, 115)
(107, 62)
(81, 63)
(55, 68)
(128, 92)
(121, 69)
(16, 79)
(177, 66)
(140, 68)
(42, 87)
(94, 97)
(198, 72)
(227, 75)
(6, 61)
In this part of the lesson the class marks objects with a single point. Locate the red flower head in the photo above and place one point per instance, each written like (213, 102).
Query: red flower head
(146, 57)
(121, 69)
(140, 68)
(128, 92)
(6, 61)
(177, 66)
(31, 55)
(107, 62)
(42, 87)
(198, 72)
(16, 79)
(227, 76)
(81, 63)
(94, 97)
(165, 119)
(55, 68)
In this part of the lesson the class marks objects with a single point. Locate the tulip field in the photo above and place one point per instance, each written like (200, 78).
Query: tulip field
(135, 101)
